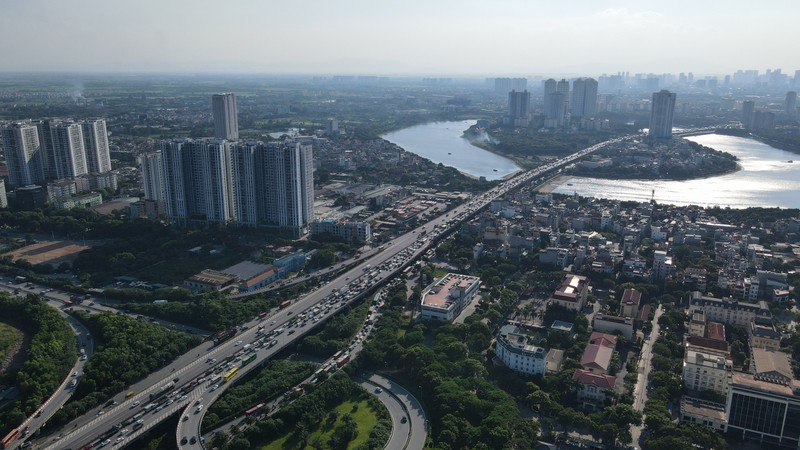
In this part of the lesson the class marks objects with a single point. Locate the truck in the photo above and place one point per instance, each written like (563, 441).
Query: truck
(343, 360)
(162, 390)
(224, 336)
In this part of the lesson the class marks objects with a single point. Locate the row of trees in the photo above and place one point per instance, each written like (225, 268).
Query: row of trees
(126, 350)
(270, 381)
(48, 359)
(667, 385)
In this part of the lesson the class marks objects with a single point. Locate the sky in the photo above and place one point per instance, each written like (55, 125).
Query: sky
(400, 37)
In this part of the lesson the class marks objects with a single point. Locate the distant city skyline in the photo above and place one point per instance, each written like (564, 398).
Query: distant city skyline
(394, 37)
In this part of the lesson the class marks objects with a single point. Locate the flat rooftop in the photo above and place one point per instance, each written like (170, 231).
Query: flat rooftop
(438, 296)
(701, 408)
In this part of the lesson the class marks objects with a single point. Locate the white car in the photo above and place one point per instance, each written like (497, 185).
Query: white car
(238, 343)
(214, 387)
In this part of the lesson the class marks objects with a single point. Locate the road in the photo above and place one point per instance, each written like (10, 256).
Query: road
(66, 389)
(640, 391)
(388, 260)
(413, 433)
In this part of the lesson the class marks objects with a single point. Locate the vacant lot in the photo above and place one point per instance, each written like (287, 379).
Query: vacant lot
(49, 252)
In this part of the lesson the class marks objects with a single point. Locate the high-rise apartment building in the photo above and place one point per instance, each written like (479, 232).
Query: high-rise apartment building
(23, 154)
(554, 110)
(95, 140)
(287, 186)
(583, 102)
(69, 150)
(748, 110)
(549, 86)
(152, 181)
(250, 183)
(791, 104)
(519, 107)
(226, 120)
(584, 98)
(661, 113)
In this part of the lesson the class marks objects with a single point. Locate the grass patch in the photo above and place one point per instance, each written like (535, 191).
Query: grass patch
(9, 337)
(362, 414)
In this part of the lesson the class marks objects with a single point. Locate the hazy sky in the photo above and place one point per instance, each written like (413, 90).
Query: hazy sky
(447, 37)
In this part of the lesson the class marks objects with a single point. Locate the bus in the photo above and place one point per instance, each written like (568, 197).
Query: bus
(285, 304)
(248, 359)
(229, 374)
(263, 315)
(10, 438)
(254, 410)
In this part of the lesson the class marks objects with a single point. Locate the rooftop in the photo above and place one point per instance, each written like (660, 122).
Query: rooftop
(696, 407)
(715, 331)
(606, 382)
(631, 297)
(441, 295)
(772, 364)
(571, 287)
(246, 269)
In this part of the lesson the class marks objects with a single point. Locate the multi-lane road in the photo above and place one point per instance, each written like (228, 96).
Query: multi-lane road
(199, 363)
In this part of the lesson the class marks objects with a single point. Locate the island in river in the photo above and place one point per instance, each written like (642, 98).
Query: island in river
(675, 159)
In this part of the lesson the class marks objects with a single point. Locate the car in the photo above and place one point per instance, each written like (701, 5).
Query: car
(272, 323)
(214, 387)
(193, 440)
(184, 440)
(101, 412)
(104, 443)
(404, 419)
(124, 431)
(289, 313)
(135, 404)
(140, 421)
(185, 418)
(378, 390)
(199, 408)
(198, 401)
(238, 343)
(119, 439)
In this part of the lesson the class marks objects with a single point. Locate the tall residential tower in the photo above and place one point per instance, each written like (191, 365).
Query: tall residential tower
(226, 120)
(661, 113)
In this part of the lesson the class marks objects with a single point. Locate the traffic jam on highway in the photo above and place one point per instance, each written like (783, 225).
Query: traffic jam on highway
(224, 370)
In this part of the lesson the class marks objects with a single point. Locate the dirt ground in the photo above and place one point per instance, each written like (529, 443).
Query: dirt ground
(48, 252)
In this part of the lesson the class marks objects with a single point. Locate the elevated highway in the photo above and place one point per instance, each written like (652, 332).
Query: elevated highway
(100, 425)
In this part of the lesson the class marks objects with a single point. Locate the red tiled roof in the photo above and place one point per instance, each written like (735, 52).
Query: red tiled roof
(597, 357)
(631, 296)
(715, 331)
(606, 340)
(606, 382)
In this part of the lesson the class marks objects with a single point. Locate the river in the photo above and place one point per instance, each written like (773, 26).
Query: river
(441, 142)
(766, 179)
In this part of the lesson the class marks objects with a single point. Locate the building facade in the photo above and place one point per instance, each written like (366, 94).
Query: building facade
(661, 112)
(572, 293)
(23, 153)
(226, 118)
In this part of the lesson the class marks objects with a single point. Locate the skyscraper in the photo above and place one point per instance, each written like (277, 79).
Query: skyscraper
(286, 186)
(584, 98)
(95, 140)
(791, 104)
(210, 186)
(226, 120)
(661, 113)
(748, 110)
(554, 110)
(23, 154)
(69, 150)
(549, 86)
(518, 107)
(152, 181)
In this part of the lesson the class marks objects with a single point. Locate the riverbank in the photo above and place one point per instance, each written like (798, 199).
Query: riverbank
(552, 184)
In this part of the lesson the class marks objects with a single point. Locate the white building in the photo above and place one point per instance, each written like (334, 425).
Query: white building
(351, 231)
(518, 356)
(95, 139)
(446, 298)
(731, 312)
(705, 369)
(69, 150)
(661, 113)
(226, 119)
(23, 153)
(584, 98)
(607, 323)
